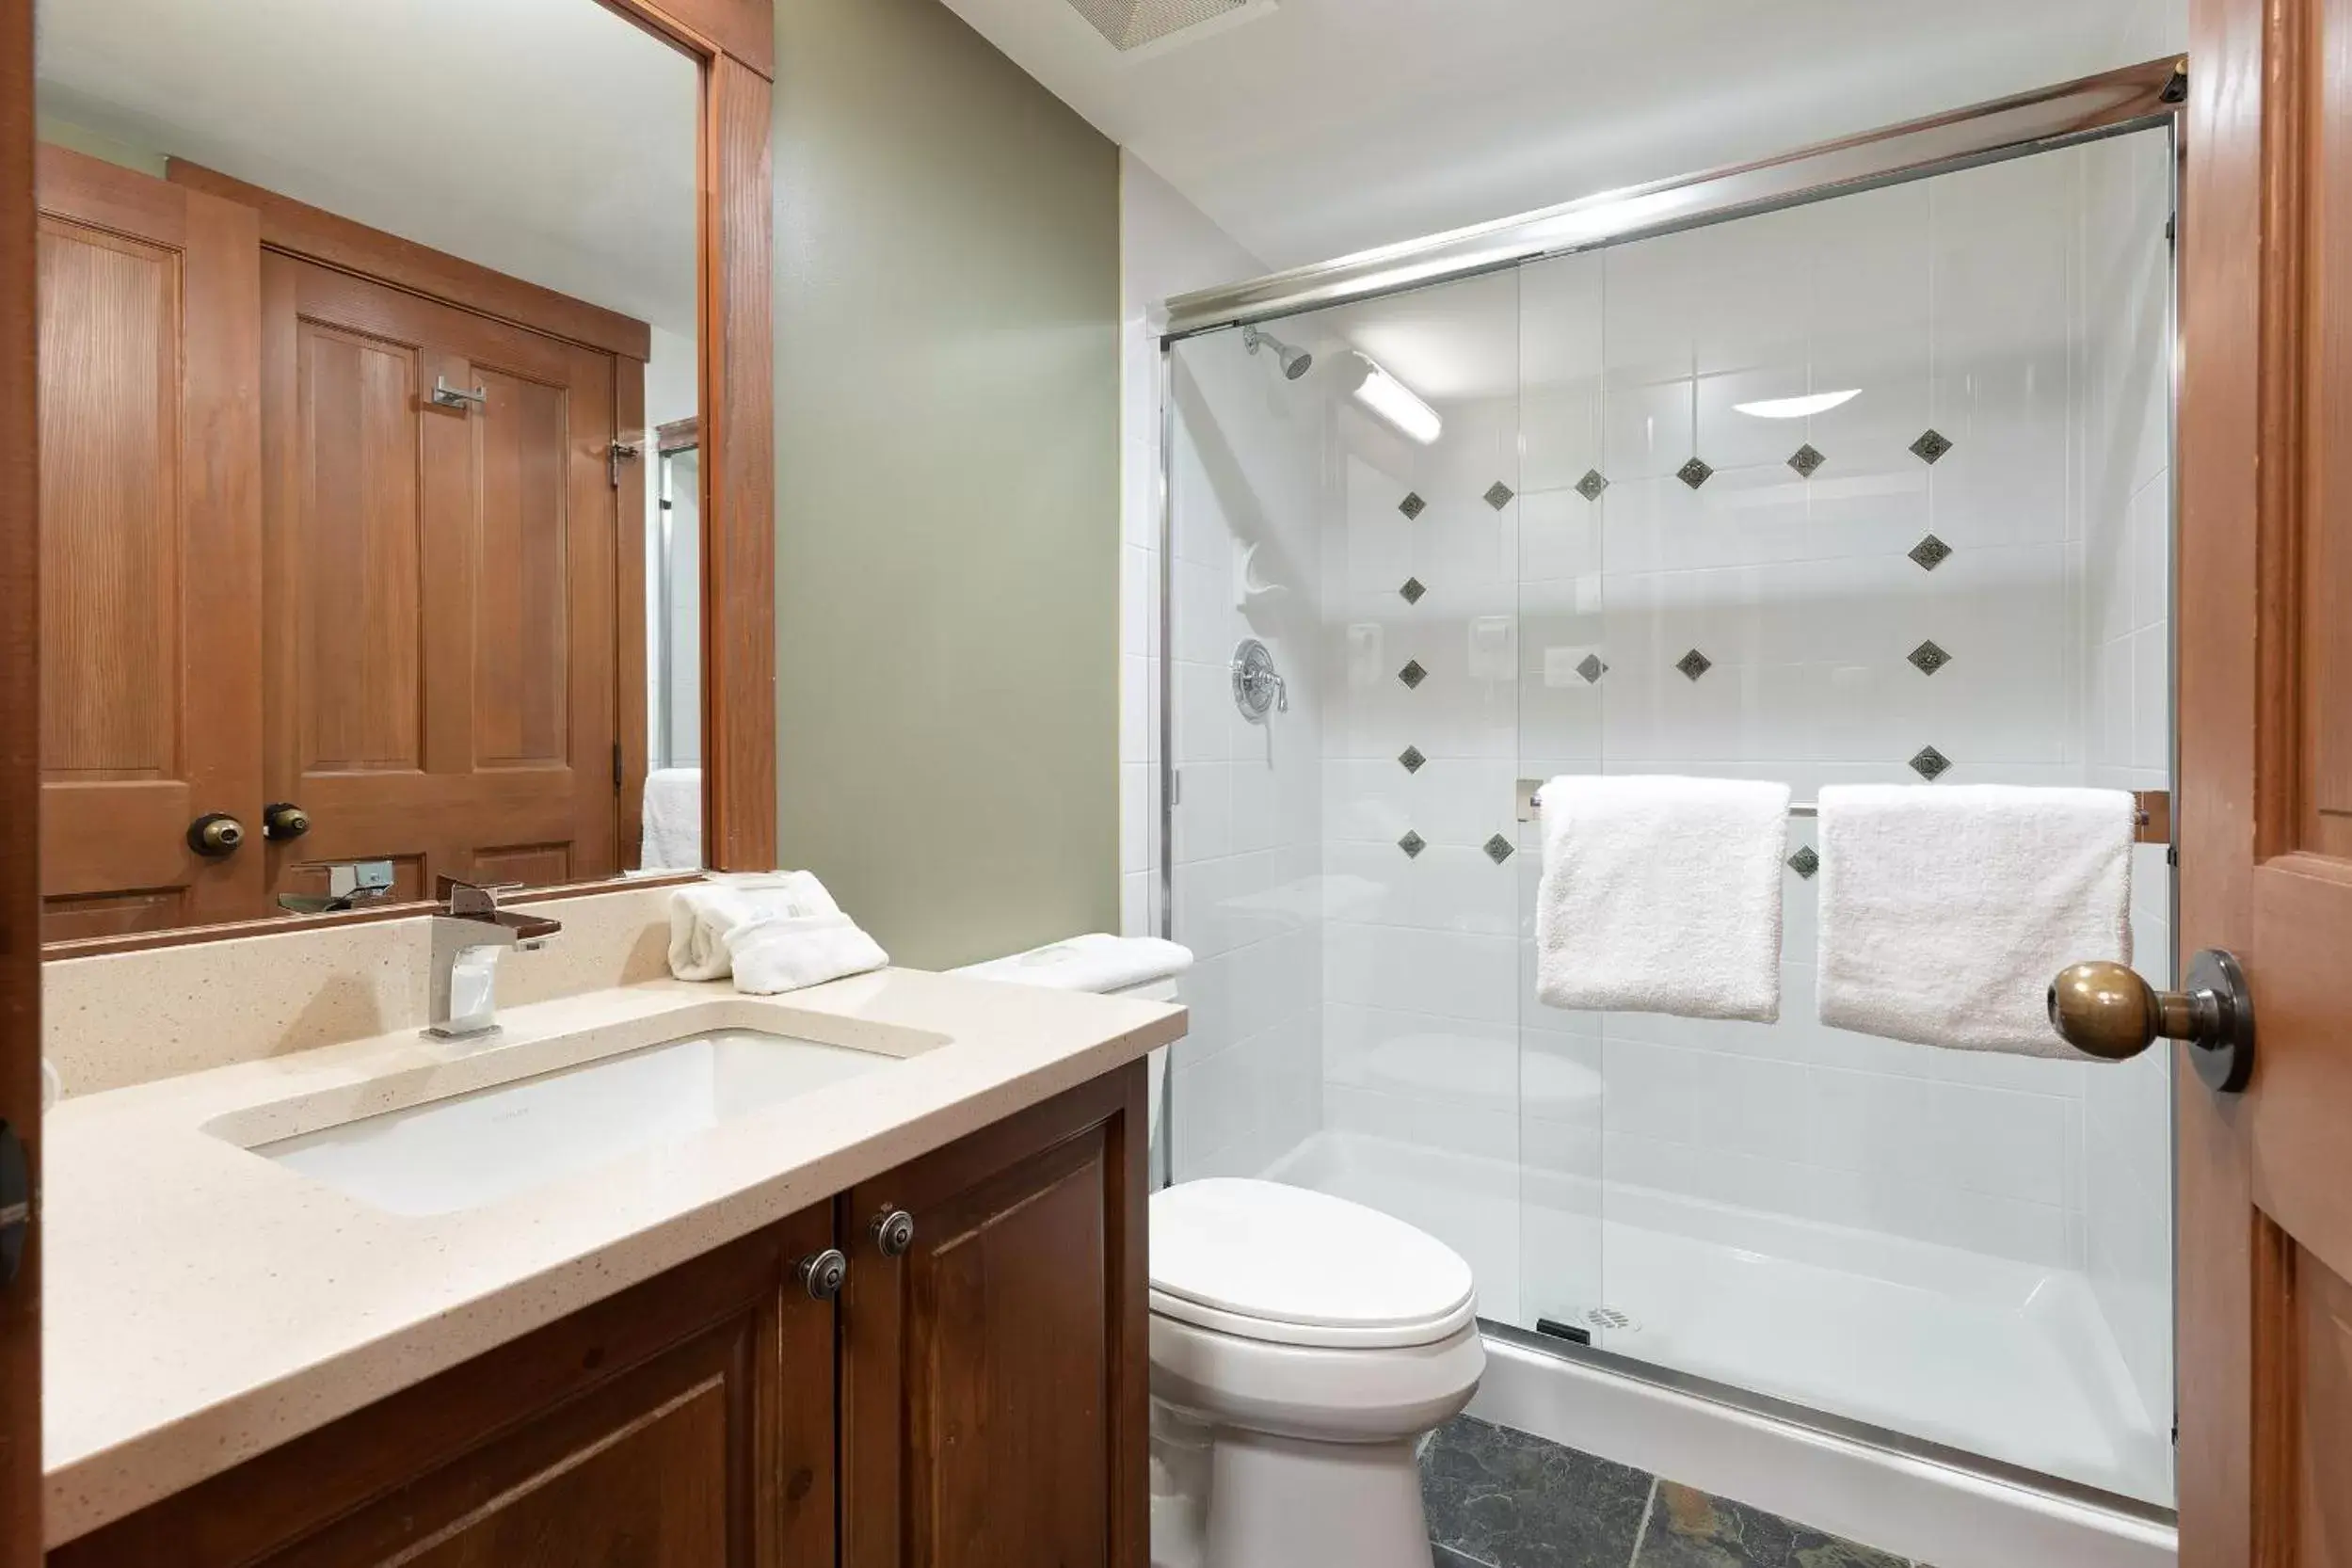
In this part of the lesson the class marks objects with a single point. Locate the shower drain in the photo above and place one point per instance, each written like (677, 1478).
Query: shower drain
(1612, 1319)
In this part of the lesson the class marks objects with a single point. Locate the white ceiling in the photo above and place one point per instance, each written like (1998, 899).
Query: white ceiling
(547, 138)
(1319, 127)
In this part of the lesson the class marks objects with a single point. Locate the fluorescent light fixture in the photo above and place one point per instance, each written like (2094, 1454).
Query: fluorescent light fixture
(1393, 401)
(1798, 407)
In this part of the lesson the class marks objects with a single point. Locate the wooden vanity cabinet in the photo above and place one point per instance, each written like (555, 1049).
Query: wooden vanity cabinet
(975, 1401)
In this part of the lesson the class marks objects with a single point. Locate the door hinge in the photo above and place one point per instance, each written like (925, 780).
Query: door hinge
(617, 773)
(16, 1203)
(622, 452)
(2172, 230)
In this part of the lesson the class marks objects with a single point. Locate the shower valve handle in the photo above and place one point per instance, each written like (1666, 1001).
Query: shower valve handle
(2108, 1011)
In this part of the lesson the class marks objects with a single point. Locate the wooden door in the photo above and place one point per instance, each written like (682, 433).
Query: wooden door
(150, 549)
(685, 1423)
(993, 1378)
(442, 591)
(19, 788)
(2265, 693)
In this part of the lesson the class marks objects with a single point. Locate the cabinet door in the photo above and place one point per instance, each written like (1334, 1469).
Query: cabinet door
(993, 1401)
(150, 549)
(686, 1423)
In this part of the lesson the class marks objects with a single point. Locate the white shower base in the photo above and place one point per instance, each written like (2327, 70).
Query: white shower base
(1983, 1353)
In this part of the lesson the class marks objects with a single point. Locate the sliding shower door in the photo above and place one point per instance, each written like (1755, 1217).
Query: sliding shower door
(1873, 489)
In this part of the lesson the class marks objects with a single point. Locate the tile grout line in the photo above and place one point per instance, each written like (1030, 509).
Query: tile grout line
(1649, 1506)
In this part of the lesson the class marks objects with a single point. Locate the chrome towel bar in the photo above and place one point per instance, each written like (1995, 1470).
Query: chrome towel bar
(2154, 814)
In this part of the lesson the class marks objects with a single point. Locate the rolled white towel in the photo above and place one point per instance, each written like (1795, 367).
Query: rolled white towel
(774, 953)
(1095, 962)
(703, 914)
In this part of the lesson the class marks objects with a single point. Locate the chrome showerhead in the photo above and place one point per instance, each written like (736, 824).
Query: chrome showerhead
(1295, 362)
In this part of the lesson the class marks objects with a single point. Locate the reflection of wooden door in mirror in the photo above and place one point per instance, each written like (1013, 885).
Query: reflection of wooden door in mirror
(442, 591)
(150, 547)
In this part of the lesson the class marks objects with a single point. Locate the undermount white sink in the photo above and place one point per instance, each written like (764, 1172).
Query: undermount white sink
(476, 1148)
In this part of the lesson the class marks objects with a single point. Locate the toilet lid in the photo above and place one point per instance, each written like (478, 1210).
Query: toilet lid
(1289, 1265)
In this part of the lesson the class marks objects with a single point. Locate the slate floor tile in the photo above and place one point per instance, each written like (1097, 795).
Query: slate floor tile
(1504, 1499)
(1691, 1528)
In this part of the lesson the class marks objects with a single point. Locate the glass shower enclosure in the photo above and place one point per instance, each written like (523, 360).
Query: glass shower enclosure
(1872, 484)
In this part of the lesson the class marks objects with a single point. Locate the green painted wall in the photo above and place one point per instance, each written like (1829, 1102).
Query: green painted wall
(947, 274)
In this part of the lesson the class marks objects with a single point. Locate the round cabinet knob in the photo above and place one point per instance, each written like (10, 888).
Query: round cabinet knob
(822, 1275)
(216, 834)
(2108, 1011)
(894, 1232)
(282, 820)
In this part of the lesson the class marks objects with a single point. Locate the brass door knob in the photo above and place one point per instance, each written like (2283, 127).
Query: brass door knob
(2108, 1011)
(216, 834)
(282, 820)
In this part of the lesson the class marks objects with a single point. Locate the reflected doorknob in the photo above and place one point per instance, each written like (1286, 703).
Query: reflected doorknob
(2108, 1011)
(216, 834)
(282, 820)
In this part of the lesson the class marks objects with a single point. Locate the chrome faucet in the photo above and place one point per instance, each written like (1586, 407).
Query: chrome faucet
(468, 937)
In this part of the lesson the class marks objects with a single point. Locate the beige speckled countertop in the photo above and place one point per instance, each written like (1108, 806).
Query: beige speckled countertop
(203, 1303)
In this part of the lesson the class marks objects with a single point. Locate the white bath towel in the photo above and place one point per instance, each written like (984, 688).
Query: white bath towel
(1095, 962)
(1947, 911)
(1662, 895)
(702, 915)
(774, 953)
(673, 820)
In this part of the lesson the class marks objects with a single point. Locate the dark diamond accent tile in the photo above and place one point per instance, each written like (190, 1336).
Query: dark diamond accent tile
(1694, 473)
(1805, 862)
(1929, 658)
(1691, 1528)
(1930, 764)
(1499, 495)
(1591, 668)
(1806, 460)
(1930, 553)
(1930, 447)
(1411, 760)
(1412, 505)
(1694, 663)
(1413, 591)
(1592, 484)
(1498, 1496)
(1413, 673)
(1499, 849)
(1413, 844)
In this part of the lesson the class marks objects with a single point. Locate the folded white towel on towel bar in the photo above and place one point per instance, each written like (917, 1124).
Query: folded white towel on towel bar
(702, 915)
(1662, 895)
(672, 819)
(1095, 962)
(1947, 910)
(774, 953)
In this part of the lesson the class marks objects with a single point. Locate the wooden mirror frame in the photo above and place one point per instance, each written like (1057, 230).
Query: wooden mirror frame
(733, 43)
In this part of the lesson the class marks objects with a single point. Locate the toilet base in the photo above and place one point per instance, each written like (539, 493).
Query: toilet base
(1250, 1499)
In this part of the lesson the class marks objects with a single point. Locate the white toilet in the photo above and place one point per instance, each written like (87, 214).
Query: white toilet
(1300, 1346)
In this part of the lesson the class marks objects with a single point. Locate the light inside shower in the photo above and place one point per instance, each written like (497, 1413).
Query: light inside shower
(1798, 407)
(1393, 401)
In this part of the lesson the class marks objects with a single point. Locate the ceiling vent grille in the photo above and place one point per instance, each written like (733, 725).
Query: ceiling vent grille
(1133, 23)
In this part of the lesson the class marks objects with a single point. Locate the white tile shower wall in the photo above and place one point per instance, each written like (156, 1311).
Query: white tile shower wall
(2126, 483)
(1968, 304)
(1247, 824)
(1166, 246)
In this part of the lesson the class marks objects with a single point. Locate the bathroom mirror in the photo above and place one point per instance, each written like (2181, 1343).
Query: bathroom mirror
(372, 363)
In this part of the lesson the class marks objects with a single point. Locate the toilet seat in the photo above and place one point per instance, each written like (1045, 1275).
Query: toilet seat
(1280, 1265)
